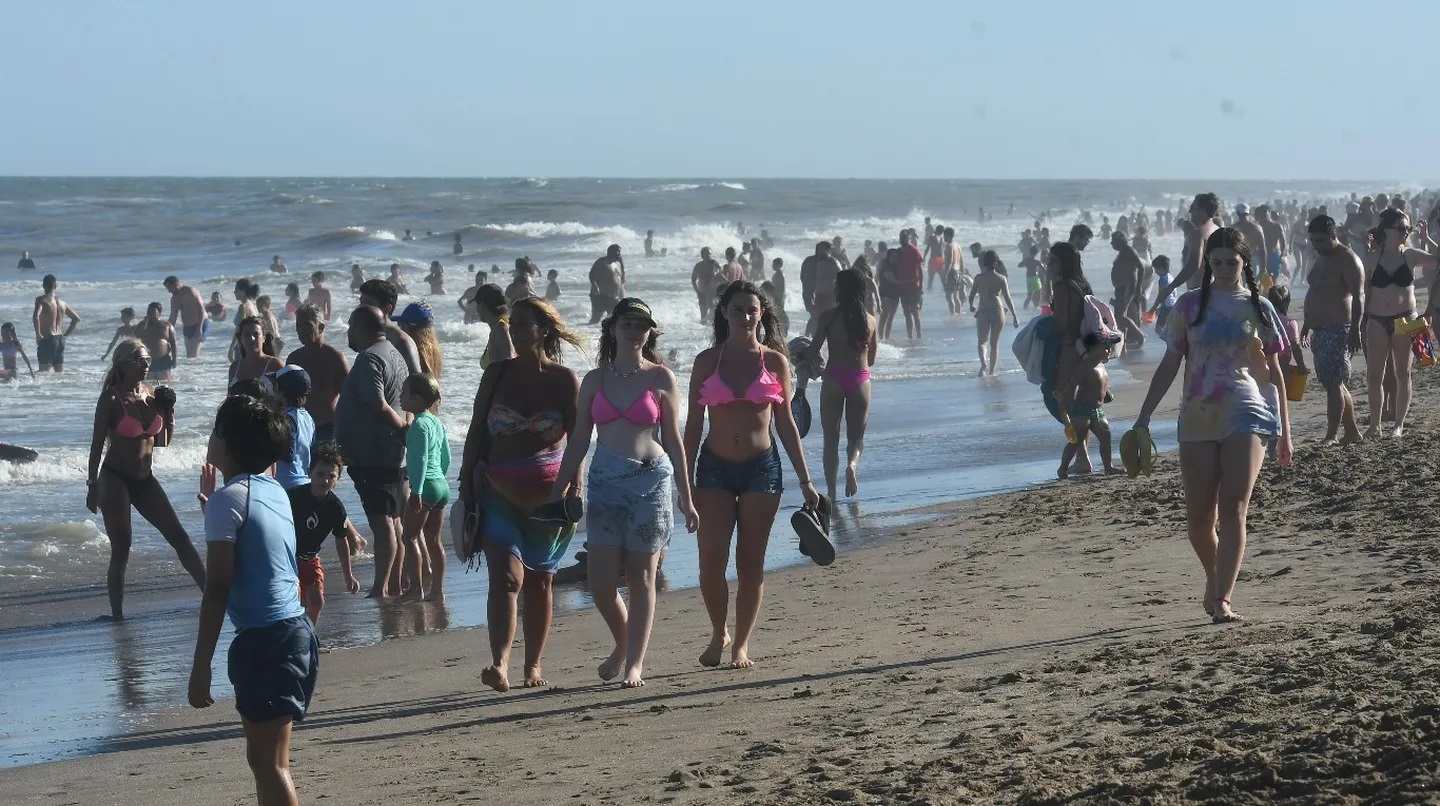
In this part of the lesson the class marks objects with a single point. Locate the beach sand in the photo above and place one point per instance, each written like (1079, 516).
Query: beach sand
(1042, 646)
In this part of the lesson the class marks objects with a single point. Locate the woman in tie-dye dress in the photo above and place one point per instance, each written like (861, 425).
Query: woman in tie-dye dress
(1232, 403)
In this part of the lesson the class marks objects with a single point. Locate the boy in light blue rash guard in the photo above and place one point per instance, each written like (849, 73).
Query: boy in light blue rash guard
(251, 575)
(293, 385)
(427, 460)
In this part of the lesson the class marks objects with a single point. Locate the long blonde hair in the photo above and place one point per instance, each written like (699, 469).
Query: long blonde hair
(557, 330)
(124, 350)
(428, 346)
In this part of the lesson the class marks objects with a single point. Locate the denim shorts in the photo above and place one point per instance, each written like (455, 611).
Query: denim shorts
(758, 475)
(273, 669)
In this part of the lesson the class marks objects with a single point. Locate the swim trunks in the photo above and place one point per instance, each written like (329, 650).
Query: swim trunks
(50, 351)
(1084, 411)
(1035, 284)
(196, 332)
(1331, 345)
(162, 364)
(1274, 264)
(937, 264)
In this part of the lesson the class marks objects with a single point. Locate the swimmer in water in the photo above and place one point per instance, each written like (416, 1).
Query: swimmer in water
(124, 331)
(26, 264)
(277, 266)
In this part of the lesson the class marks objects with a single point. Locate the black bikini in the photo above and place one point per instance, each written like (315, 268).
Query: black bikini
(1403, 277)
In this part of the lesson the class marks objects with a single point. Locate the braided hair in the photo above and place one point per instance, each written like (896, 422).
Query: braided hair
(1230, 238)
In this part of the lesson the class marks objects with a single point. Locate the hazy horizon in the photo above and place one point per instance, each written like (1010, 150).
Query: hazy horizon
(651, 89)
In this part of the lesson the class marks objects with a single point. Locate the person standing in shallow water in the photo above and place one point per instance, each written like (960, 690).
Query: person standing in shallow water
(737, 469)
(639, 462)
(845, 392)
(992, 288)
(1229, 339)
(133, 420)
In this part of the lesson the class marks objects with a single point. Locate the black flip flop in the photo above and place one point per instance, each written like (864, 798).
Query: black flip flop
(814, 534)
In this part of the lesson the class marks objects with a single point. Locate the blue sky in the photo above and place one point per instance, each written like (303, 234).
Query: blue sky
(738, 89)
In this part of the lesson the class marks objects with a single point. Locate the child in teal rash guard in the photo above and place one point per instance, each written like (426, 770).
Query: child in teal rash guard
(427, 459)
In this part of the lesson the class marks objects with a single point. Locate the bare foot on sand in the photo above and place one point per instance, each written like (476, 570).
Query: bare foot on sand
(852, 481)
(1352, 439)
(740, 658)
(1207, 600)
(410, 595)
(632, 678)
(1113, 471)
(1398, 432)
(495, 678)
(1223, 614)
(710, 658)
(1373, 432)
(436, 596)
(610, 668)
(533, 678)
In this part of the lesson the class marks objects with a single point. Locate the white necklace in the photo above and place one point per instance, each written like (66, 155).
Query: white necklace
(623, 375)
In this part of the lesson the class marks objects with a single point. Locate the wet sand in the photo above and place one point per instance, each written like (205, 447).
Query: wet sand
(1043, 646)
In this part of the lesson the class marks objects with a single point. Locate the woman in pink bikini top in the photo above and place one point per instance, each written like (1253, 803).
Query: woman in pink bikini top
(633, 403)
(741, 384)
(134, 421)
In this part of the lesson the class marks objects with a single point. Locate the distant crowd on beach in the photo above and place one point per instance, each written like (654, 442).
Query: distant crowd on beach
(292, 426)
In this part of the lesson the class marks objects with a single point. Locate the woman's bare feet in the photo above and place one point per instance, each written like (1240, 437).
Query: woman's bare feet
(495, 678)
(1398, 432)
(710, 658)
(436, 596)
(632, 678)
(1223, 614)
(533, 678)
(852, 481)
(1373, 432)
(611, 666)
(740, 658)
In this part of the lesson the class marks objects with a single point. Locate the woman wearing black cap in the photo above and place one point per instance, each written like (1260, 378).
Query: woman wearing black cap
(633, 403)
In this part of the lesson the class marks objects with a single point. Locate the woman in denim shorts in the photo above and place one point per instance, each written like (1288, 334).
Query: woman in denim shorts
(741, 383)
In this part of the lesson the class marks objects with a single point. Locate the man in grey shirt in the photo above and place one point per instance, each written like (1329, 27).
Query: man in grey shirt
(370, 429)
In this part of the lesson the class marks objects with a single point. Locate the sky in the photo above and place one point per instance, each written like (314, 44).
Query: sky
(787, 88)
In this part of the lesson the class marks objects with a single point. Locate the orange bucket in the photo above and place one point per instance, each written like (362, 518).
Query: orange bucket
(1147, 318)
(1295, 380)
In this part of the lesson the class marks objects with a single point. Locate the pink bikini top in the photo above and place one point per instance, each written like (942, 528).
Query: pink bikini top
(644, 411)
(765, 388)
(130, 427)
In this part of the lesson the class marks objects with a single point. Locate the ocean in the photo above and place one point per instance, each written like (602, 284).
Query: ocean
(937, 432)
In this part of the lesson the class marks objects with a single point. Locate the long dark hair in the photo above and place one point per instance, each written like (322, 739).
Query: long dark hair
(1230, 238)
(850, 302)
(1068, 267)
(1390, 217)
(267, 342)
(250, 289)
(609, 346)
(769, 324)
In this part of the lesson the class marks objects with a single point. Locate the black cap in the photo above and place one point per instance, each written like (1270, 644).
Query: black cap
(633, 306)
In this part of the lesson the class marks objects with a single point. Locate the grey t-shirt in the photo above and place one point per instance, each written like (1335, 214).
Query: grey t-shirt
(365, 438)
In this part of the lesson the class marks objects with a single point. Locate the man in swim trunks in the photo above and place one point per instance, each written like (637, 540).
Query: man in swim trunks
(319, 295)
(607, 283)
(935, 255)
(25, 264)
(1275, 246)
(1334, 304)
(187, 306)
(1249, 227)
(817, 282)
(1126, 275)
(703, 279)
(159, 338)
(49, 339)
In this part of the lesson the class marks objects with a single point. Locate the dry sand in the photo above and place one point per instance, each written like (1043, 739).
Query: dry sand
(1044, 646)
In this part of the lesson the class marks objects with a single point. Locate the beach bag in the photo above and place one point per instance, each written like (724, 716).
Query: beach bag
(466, 523)
(1422, 344)
(1029, 349)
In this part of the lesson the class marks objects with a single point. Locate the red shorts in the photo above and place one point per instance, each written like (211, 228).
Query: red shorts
(312, 574)
(937, 264)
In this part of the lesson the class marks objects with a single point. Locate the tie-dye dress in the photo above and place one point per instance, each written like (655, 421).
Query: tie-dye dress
(1227, 373)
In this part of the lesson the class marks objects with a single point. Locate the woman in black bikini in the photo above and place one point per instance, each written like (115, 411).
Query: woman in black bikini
(737, 469)
(1390, 274)
(135, 420)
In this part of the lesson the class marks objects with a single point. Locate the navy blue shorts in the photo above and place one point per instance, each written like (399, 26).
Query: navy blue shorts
(325, 434)
(273, 669)
(758, 475)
